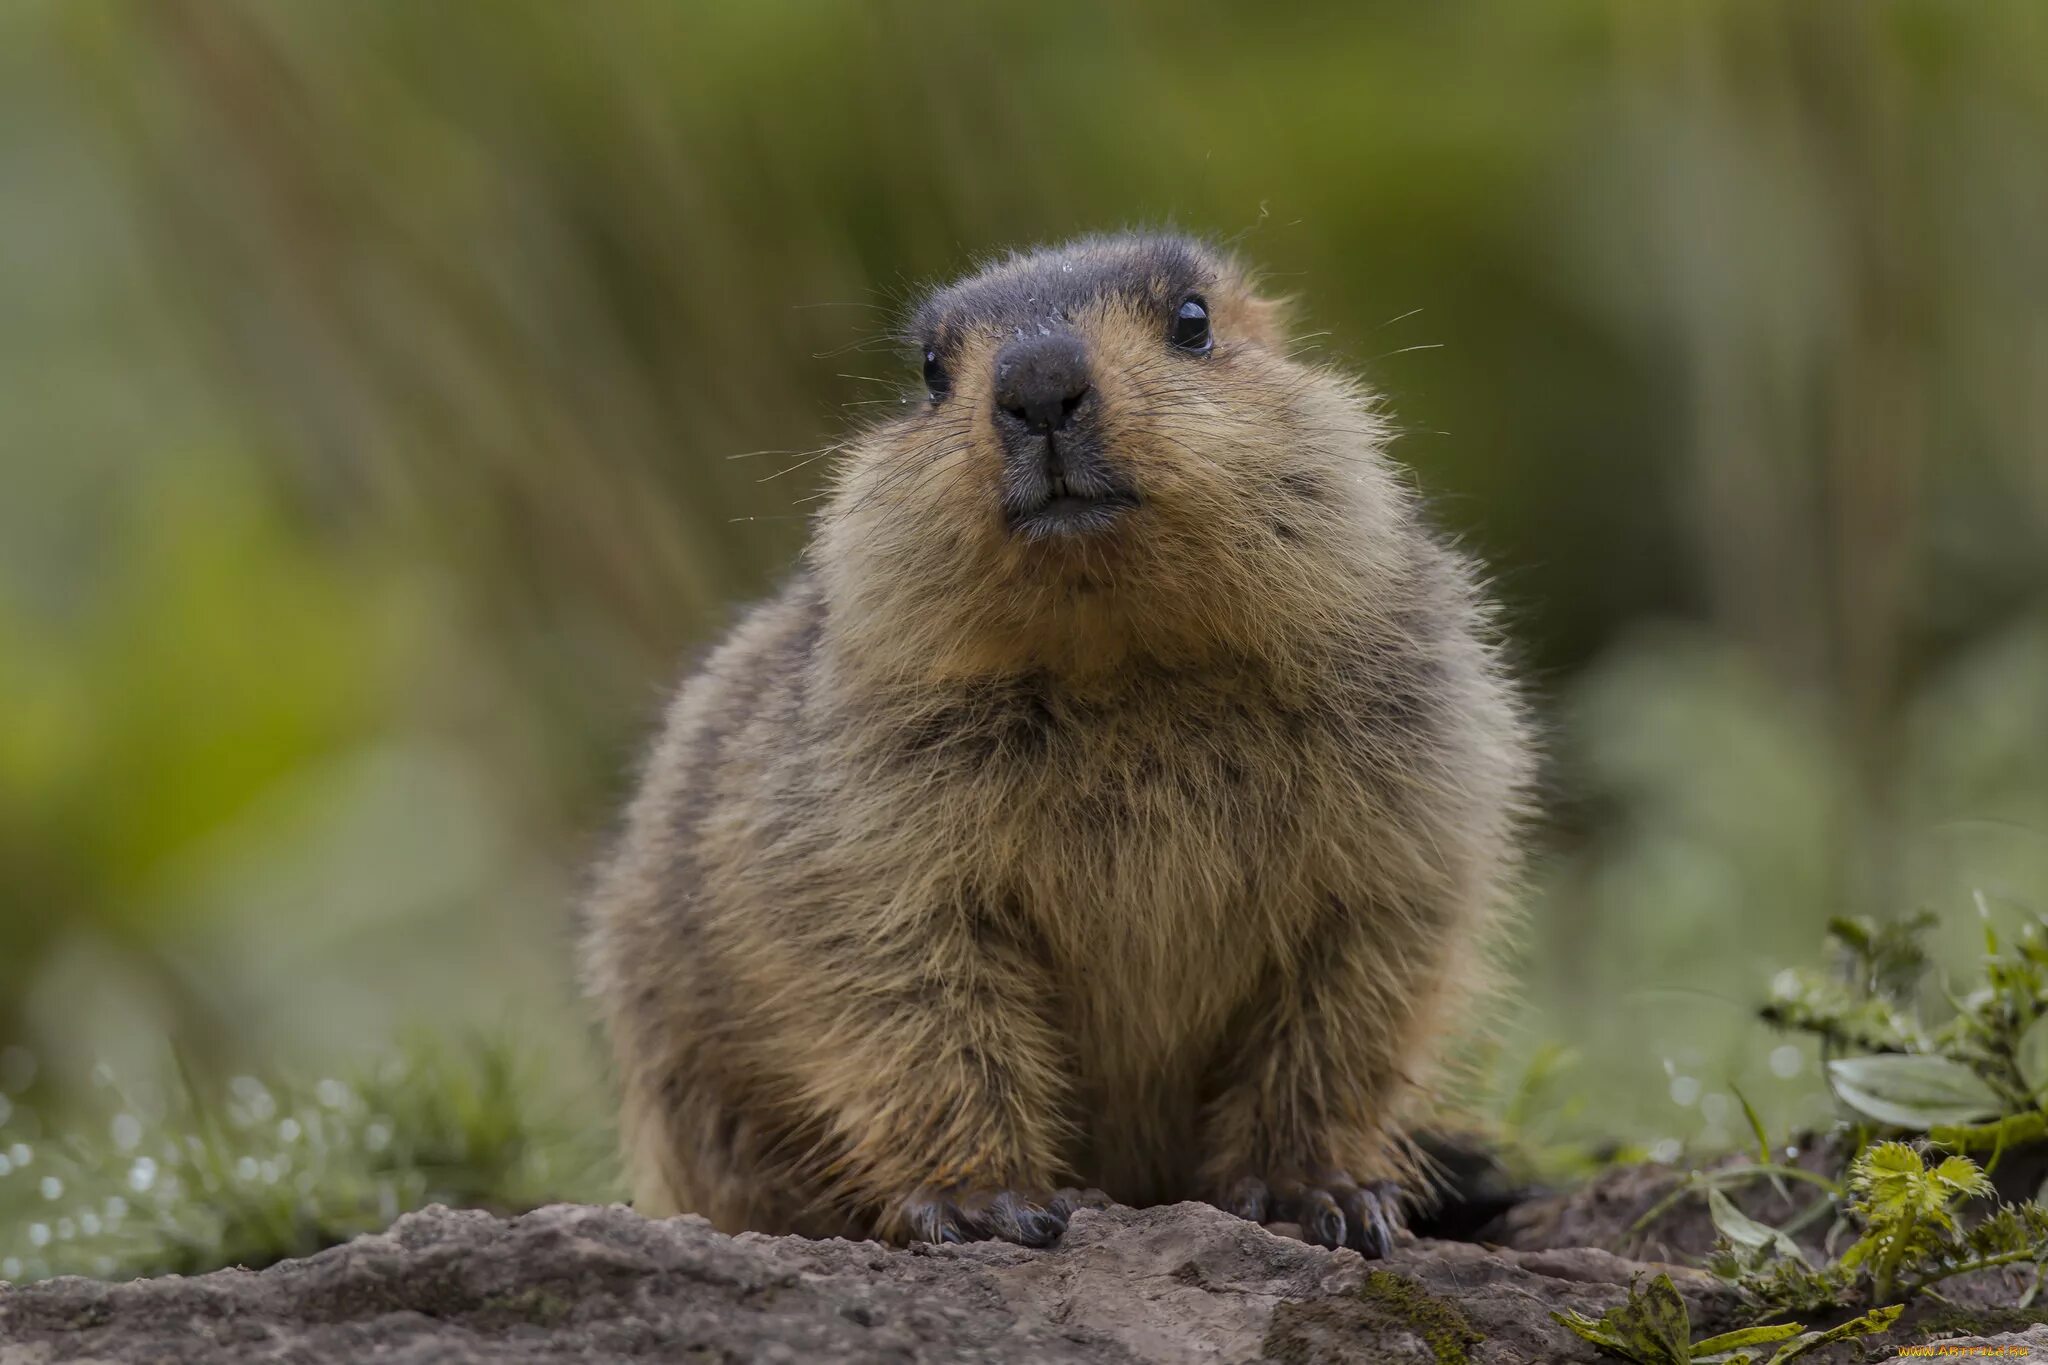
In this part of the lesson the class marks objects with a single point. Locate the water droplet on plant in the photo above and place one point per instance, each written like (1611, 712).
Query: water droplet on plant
(250, 1091)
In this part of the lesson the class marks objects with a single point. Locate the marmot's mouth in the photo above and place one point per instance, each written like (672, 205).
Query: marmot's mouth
(1064, 512)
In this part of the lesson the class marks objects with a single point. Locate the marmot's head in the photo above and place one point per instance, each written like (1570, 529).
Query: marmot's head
(1113, 455)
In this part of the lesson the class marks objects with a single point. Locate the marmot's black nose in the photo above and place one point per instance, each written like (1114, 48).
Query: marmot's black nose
(1041, 381)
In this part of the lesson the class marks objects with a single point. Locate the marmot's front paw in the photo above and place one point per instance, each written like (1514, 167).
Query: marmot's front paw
(1332, 1210)
(1028, 1218)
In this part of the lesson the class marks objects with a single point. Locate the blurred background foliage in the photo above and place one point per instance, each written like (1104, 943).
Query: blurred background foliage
(376, 377)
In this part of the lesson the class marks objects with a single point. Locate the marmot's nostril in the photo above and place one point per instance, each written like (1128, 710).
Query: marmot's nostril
(1049, 412)
(1042, 382)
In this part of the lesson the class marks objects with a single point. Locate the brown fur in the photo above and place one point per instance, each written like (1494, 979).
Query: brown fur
(1152, 860)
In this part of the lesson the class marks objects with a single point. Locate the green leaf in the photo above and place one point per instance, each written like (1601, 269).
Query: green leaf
(1746, 1336)
(1870, 1324)
(1893, 1185)
(1910, 1090)
(1663, 1323)
(1854, 934)
(2030, 1054)
(1594, 1330)
(1746, 1232)
(1756, 1125)
(1962, 1178)
(1651, 1328)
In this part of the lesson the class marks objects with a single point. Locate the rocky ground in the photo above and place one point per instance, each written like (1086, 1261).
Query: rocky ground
(1182, 1283)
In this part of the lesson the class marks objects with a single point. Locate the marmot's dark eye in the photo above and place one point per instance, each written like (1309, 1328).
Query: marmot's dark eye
(1191, 327)
(936, 381)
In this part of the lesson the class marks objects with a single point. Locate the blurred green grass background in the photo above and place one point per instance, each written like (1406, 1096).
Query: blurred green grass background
(372, 377)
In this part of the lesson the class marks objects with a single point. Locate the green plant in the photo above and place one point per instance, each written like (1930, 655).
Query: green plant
(1654, 1328)
(1911, 1236)
(1973, 1082)
(1977, 1081)
(263, 1170)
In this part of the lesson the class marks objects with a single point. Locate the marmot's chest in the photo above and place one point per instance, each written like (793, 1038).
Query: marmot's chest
(1167, 861)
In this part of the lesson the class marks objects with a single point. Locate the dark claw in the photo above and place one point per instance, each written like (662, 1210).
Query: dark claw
(933, 1219)
(1373, 1213)
(1039, 1228)
(1333, 1212)
(1010, 1217)
(1322, 1222)
(1005, 1215)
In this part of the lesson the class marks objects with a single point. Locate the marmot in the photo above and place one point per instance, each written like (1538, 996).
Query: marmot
(1123, 794)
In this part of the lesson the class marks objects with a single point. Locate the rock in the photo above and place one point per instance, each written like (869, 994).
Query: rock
(1179, 1283)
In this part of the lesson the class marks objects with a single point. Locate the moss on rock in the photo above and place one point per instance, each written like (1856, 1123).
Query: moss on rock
(1302, 1333)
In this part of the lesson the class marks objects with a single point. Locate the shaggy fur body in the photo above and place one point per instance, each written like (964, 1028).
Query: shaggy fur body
(1162, 859)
